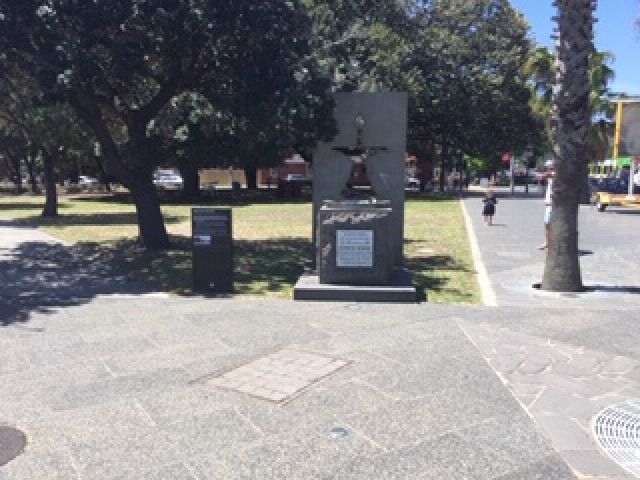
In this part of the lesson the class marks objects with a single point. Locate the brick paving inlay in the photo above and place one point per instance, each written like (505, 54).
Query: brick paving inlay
(279, 376)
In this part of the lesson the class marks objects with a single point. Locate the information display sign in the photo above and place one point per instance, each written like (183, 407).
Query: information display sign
(354, 248)
(212, 253)
(211, 226)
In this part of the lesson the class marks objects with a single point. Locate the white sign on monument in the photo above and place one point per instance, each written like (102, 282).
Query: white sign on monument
(354, 248)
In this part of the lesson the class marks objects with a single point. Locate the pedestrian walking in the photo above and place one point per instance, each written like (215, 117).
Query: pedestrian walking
(489, 209)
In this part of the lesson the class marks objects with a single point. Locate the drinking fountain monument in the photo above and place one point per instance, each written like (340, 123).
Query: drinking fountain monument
(358, 204)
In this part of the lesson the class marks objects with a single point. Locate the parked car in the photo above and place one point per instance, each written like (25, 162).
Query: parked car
(167, 180)
(411, 182)
(525, 179)
(297, 177)
(87, 182)
(611, 185)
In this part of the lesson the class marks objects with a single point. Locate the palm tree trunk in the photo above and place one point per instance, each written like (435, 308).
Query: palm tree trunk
(570, 128)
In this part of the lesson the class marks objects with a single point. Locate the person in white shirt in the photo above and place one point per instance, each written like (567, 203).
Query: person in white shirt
(548, 206)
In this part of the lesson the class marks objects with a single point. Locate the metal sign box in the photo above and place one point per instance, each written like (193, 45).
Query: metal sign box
(212, 250)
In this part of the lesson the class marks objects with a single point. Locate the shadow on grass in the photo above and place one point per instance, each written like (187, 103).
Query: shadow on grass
(76, 219)
(41, 277)
(426, 274)
(221, 198)
(261, 267)
(25, 206)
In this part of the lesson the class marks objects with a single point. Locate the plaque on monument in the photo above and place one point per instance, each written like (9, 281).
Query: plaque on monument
(354, 248)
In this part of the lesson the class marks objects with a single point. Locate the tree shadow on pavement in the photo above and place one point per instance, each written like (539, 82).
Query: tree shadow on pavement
(39, 277)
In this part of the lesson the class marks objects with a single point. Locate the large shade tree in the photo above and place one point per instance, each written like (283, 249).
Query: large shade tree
(42, 136)
(467, 82)
(361, 44)
(461, 63)
(571, 121)
(119, 63)
(16, 106)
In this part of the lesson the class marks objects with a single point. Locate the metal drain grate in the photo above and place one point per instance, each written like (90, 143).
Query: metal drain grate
(617, 431)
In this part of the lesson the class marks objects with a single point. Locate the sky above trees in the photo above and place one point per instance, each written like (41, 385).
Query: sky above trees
(615, 31)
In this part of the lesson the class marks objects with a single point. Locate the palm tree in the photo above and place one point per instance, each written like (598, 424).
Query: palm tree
(571, 121)
(602, 108)
(539, 70)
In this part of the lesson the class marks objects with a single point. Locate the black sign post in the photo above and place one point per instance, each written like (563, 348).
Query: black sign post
(212, 250)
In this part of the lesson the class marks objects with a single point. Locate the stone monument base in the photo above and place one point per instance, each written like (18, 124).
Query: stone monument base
(353, 243)
(400, 290)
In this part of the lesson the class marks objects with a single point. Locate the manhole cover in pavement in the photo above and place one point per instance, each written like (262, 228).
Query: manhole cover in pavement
(12, 443)
(279, 376)
(617, 431)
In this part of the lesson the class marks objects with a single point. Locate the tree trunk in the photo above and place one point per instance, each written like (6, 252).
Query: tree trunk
(135, 175)
(562, 265)
(570, 128)
(191, 185)
(103, 176)
(442, 169)
(32, 174)
(51, 196)
(153, 234)
(585, 194)
(74, 172)
(251, 175)
(16, 173)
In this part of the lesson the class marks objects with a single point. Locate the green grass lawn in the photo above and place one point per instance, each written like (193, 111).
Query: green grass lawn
(272, 243)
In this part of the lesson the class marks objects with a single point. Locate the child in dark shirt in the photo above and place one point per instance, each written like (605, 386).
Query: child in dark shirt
(489, 209)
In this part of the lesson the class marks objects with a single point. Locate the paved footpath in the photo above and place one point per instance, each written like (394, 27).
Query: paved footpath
(111, 381)
(571, 355)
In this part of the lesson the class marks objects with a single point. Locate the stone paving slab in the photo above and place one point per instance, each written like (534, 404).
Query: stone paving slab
(562, 386)
(144, 409)
(279, 376)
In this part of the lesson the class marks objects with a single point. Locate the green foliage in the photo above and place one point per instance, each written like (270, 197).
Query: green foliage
(360, 44)
(470, 92)
(30, 127)
(540, 71)
(461, 63)
(123, 64)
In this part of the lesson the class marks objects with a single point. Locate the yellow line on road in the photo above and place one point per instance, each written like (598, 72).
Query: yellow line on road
(488, 295)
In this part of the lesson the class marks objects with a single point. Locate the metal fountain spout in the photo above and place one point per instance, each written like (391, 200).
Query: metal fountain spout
(358, 184)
